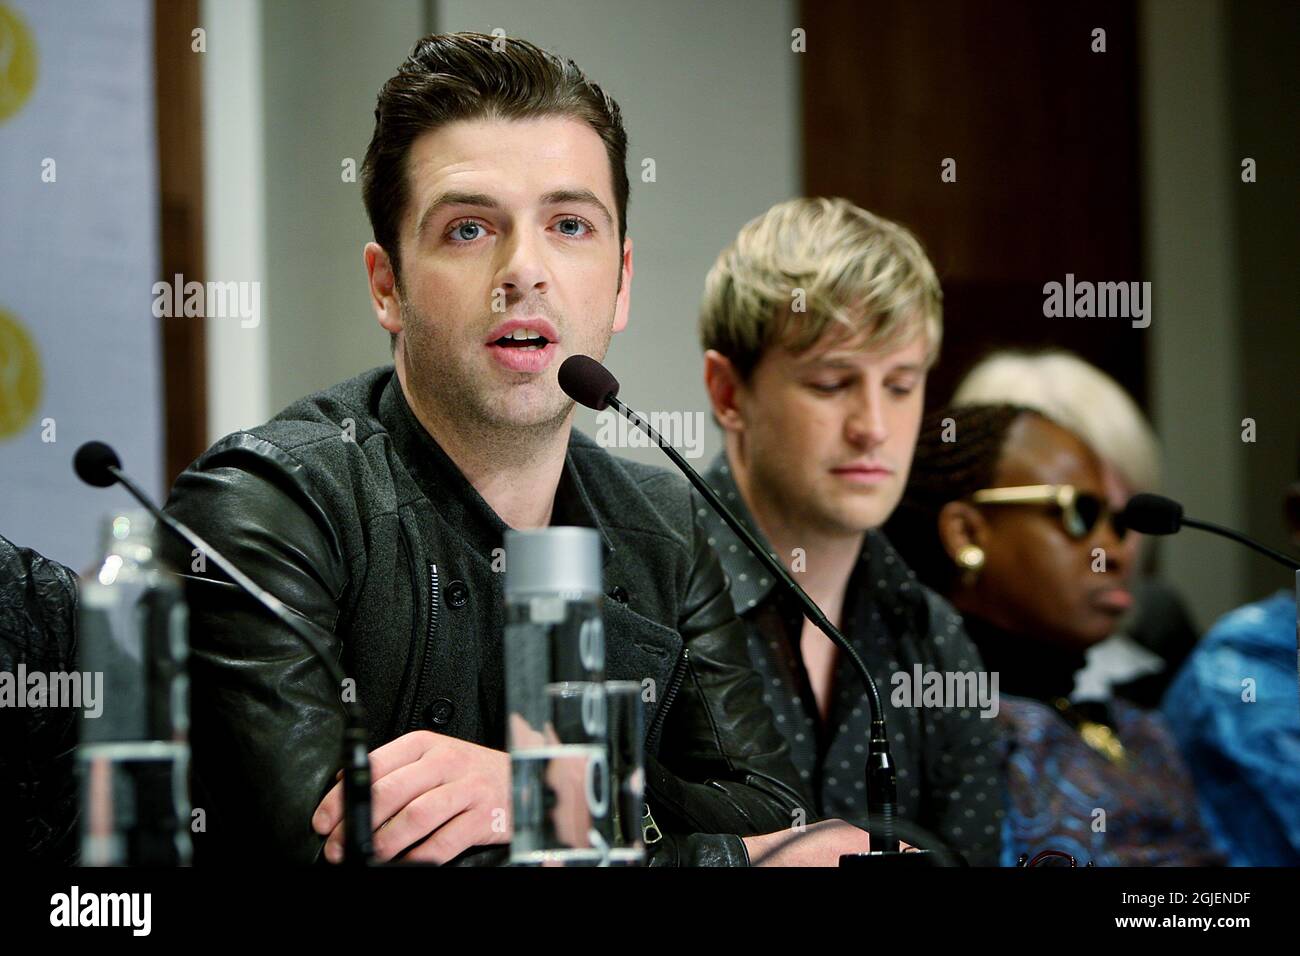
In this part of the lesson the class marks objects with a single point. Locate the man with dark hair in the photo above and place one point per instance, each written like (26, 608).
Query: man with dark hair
(453, 77)
(496, 188)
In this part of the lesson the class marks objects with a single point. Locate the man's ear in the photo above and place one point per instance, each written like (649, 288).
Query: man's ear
(961, 525)
(623, 303)
(723, 383)
(383, 287)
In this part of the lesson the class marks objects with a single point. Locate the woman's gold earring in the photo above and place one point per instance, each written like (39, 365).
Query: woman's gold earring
(971, 558)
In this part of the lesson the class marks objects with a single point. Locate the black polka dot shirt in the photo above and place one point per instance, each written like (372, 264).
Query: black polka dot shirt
(949, 778)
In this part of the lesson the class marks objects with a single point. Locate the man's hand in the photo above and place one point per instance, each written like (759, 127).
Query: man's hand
(818, 844)
(437, 795)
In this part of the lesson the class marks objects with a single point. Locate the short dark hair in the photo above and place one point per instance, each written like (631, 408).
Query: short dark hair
(458, 76)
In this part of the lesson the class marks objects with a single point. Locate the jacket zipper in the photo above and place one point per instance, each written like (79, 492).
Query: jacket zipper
(426, 670)
(674, 684)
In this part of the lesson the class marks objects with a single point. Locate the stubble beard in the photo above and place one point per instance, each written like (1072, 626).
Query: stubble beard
(448, 390)
(809, 509)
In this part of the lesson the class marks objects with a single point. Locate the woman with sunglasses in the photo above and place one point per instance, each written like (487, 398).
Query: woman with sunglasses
(1005, 515)
(1139, 660)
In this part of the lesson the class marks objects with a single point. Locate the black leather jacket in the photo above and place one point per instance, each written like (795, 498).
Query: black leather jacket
(347, 510)
(38, 782)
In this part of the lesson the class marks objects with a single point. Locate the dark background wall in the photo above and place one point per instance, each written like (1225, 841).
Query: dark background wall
(1115, 166)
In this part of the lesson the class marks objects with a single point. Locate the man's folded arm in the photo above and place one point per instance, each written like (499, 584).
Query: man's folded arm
(267, 720)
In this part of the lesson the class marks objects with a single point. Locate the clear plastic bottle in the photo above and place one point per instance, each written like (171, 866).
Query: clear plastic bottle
(133, 756)
(555, 698)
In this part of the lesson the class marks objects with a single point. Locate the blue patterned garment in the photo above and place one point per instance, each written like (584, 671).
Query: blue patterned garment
(1244, 753)
(1064, 795)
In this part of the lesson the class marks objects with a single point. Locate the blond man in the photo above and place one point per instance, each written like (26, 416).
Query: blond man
(819, 324)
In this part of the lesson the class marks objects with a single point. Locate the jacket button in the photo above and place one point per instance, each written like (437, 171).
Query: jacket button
(619, 594)
(439, 711)
(457, 594)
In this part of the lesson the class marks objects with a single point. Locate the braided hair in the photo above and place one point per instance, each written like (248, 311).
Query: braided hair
(957, 454)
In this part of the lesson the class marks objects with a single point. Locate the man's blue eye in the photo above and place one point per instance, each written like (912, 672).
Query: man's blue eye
(828, 386)
(458, 232)
(575, 222)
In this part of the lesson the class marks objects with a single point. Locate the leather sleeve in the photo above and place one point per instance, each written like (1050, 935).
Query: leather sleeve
(267, 721)
(700, 849)
(38, 779)
(719, 732)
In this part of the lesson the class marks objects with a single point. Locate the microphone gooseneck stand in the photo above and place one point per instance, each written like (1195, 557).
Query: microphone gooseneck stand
(1242, 539)
(589, 383)
(97, 464)
(882, 786)
(1150, 513)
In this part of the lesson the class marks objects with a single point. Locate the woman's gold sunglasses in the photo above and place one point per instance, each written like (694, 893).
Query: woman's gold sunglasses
(1081, 511)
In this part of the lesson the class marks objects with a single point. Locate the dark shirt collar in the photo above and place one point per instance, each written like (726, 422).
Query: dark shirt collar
(748, 585)
(451, 493)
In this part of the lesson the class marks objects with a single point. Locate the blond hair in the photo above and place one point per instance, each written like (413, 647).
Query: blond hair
(808, 265)
(1075, 394)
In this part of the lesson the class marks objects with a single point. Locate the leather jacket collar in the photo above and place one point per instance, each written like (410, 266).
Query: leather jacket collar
(442, 481)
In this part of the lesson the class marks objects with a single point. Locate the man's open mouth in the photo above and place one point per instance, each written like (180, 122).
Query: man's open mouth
(526, 339)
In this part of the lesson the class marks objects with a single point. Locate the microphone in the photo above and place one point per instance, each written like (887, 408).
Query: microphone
(589, 383)
(92, 463)
(97, 464)
(1155, 514)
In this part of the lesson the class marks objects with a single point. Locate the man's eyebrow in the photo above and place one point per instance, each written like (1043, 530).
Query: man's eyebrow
(559, 197)
(453, 198)
(845, 360)
(834, 361)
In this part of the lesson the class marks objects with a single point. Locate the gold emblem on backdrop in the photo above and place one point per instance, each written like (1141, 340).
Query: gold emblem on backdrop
(20, 376)
(17, 62)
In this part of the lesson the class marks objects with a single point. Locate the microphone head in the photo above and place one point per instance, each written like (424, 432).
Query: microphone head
(587, 382)
(92, 461)
(1153, 514)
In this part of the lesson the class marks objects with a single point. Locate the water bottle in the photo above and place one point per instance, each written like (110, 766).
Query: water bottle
(555, 698)
(133, 756)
